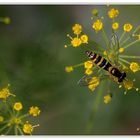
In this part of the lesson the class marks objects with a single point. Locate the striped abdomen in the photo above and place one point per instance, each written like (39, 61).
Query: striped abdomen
(103, 63)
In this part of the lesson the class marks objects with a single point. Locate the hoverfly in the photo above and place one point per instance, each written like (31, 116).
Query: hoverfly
(111, 66)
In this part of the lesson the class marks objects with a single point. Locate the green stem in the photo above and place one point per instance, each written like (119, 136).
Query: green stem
(23, 116)
(129, 56)
(130, 35)
(105, 37)
(130, 44)
(7, 132)
(123, 60)
(78, 65)
(94, 110)
(16, 132)
(20, 131)
(122, 36)
(5, 126)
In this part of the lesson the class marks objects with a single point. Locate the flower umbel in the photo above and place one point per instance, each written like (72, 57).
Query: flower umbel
(34, 111)
(97, 25)
(113, 13)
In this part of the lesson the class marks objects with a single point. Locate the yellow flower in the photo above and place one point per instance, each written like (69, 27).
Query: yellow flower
(113, 13)
(128, 84)
(7, 20)
(5, 93)
(134, 66)
(107, 99)
(94, 82)
(34, 111)
(84, 39)
(121, 50)
(105, 53)
(88, 64)
(88, 71)
(127, 27)
(1, 119)
(115, 25)
(76, 42)
(18, 106)
(27, 128)
(97, 25)
(77, 29)
(69, 69)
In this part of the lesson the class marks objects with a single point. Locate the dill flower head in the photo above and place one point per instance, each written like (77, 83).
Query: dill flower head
(77, 29)
(134, 67)
(88, 64)
(27, 128)
(113, 13)
(93, 83)
(69, 69)
(18, 106)
(84, 39)
(107, 99)
(5, 93)
(76, 42)
(34, 111)
(97, 25)
(127, 27)
(115, 25)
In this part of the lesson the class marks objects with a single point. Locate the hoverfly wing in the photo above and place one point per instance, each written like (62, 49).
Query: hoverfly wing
(114, 42)
(85, 80)
(114, 47)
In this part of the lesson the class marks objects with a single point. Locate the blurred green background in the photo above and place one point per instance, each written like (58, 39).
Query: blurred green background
(32, 60)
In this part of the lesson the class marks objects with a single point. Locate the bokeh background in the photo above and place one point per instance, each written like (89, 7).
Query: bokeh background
(33, 58)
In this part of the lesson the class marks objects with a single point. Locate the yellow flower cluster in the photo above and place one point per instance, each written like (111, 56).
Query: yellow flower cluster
(107, 99)
(113, 13)
(79, 39)
(88, 66)
(14, 119)
(127, 27)
(134, 67)
(5, 93)
(93, 83)
(97, 25)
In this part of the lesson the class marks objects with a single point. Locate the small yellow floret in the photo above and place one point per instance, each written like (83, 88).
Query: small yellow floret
(7, 20)
(18, 106)
(27, 128)
(77, 29)
(94, 82)
(88, 71)
(34, 111)
(76, 42)
(128, 84)
(88, 64)
(113, 13)
(134, 66)
(97, 25)
(127, 27)
(121, 50)
(107, 99)
(69, 69)
(84, 39)
(115, 25)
